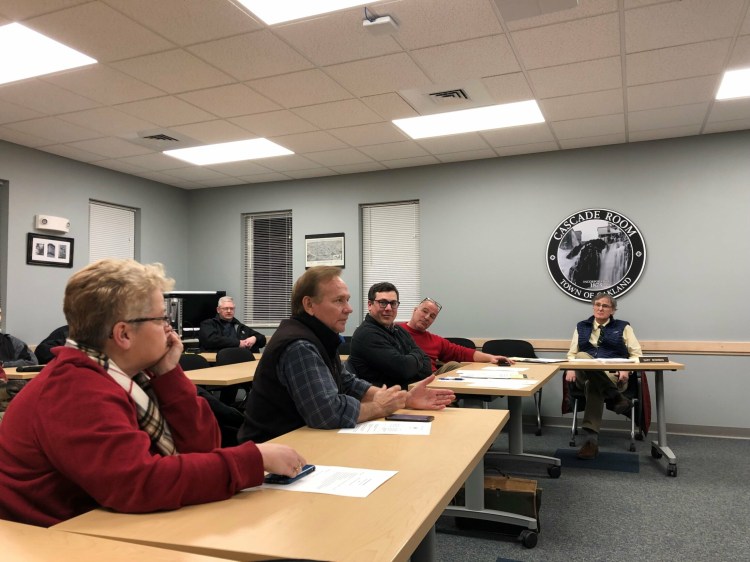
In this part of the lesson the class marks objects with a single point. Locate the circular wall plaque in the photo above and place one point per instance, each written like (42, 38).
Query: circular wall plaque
(596, 250)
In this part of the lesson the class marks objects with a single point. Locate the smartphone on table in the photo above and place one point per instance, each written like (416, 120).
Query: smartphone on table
(410, 418)
(281, 479)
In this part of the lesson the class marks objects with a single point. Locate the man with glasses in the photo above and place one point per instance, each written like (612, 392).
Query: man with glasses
(224, 330)
(382, 352)
(440, 349)
(601, 336)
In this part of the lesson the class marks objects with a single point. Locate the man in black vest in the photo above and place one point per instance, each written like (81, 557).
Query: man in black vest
(601, 336)
(300, 380)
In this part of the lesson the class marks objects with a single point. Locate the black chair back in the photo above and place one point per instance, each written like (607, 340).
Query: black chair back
(464, 342)
(231, 355)
(190, 361)
(345, 347)
(509, 348)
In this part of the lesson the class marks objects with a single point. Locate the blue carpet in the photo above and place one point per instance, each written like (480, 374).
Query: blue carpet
(620, 462)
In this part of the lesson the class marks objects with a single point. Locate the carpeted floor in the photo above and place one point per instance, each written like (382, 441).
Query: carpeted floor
(619, 462)
(591, 513)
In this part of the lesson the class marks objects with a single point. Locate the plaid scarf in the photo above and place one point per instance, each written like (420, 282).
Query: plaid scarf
(150, 419)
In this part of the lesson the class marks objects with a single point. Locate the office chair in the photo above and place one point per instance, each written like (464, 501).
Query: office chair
(576, 398)
(191, 361)
(517, 348)
(345, 347)
(464, 342)
(230, 356)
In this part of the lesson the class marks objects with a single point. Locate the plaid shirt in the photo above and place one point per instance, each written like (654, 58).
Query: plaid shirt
(312, 387)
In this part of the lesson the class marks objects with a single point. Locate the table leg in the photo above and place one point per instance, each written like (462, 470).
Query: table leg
(426, 550)
(659, 448)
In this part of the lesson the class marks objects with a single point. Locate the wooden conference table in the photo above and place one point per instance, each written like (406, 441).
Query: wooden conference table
(395, 522)
(659, 447)
(470, 389)
(27, 543)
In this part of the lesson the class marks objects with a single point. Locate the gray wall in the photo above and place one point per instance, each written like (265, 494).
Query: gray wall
(485, 227)
(42, 183)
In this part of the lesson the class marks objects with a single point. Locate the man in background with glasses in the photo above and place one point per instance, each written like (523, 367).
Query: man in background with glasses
(601, 336)
(224, 330)
(382, 352)
(451, 356)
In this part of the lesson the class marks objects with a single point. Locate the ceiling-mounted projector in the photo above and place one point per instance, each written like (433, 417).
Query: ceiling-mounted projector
(382, 25)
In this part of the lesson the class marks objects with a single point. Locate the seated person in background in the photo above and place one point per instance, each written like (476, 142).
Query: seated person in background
(300, 379)
(56, 339)
(113, 421)
(224, 330)
(14, 352)
(601, 336)
(381, 352)
(440, 349)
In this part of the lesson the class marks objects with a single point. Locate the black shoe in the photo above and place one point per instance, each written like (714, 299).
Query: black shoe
(622, 405)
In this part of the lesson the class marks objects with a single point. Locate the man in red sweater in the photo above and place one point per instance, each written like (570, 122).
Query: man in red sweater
(112, 420)
(440, 349)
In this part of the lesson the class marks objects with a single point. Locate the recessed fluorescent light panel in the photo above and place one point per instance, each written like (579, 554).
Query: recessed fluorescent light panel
(28, 53)
(277, 11)
(471, 120)
(229, 152)
(735, 84)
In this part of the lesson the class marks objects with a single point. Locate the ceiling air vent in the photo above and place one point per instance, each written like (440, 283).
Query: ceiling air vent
(160, 137)
(449, 97)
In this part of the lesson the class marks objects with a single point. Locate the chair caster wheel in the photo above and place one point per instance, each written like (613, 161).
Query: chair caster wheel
(672, 470)
(554, 471)
(572, 442)
(632, 447)
(528, 538)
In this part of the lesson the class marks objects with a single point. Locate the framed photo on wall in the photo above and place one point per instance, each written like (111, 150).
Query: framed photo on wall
(43, 249)
(324, 249)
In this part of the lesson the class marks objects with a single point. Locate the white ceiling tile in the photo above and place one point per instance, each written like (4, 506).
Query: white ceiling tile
(468, 142)
(466, 155)
(674, 92)
(730, 110)
(376, 133)
(54, 129)
(309, 142)
(308, 87)
(359, 168)
(110, 147)
(669, 133)
(214, 131)
(338, 114)
(423, 24)
(44, 97)
(288, 163)
(24, 139)
(600, 140)
(394, 150)
(173, 71)
(508, 88)
(220, 182)
(582, 105)
(239, 169)
(741, 53)
(725, 126)
(156, 161)
(746, 24)
(185, 22)
(673, 63)
(100, 32)
(585, 9)
(273, 124)
(476, 58)
(564, 43)
(10, 112)
(337, 38)
(389, 106)
(314, 173)
(108, 121)
(589, 76)
(230, 101)
(103, 84)
(527, 148)
(157, 176)
(411, 162)
(338, 157)
(166, 111)
(380, 75)
(527, 134)
(679, 23)
(197, 173)
(667, 117)
(118, 165)
(251, 55)
(589, 127)
(262, 178)
(70, 151)
(22, 9)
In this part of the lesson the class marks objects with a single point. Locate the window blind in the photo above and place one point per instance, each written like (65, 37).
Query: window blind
(111, 231)
(267, 268)
(390, 251)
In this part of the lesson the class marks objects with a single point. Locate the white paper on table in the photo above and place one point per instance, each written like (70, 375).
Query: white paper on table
(390, 428)
(509, 384)
(338, 481)
(493, 373)
(603, 360)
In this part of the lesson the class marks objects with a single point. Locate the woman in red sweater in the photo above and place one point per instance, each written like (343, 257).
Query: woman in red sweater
(112, 421)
